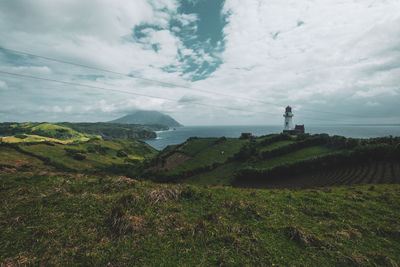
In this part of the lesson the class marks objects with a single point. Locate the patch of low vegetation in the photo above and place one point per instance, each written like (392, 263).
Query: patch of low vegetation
(56, 219)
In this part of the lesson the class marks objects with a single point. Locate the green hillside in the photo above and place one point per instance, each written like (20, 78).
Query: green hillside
(41, 132)
(123, 156)
(115, 130)
(67, 220)
(90, 202)
(263, 160)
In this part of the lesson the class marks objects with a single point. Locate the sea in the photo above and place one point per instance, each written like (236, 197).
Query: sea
(181, 134)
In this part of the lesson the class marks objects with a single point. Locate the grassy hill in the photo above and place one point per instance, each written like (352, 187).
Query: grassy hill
(68, 220)
(67, 132)
(115, 130)
(41, 132)
(278, 160)
(76, 203)
(121, 156)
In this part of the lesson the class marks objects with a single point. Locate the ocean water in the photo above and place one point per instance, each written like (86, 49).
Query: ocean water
(181, 134)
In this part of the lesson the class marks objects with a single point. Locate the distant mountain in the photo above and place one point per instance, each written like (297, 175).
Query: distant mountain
(147, 117)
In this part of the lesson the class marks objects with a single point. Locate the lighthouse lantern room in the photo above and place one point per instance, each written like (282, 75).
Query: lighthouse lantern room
(288, 126)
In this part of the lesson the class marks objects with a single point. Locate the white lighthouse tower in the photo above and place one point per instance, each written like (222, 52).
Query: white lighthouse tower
(288, 126)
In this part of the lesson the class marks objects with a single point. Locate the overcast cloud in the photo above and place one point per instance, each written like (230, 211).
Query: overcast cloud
(225, 62)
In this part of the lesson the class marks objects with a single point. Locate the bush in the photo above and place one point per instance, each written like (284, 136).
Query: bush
(97, 149)
(21, 136)
(79, 156)
(220, 140)
(246, 136)
(76, 154)
(121, 154)
(397, 149)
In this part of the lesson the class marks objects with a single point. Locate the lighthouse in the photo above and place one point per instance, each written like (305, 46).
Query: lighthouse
(288, 126)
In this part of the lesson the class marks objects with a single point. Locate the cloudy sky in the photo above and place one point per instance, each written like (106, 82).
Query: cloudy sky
(221, 62)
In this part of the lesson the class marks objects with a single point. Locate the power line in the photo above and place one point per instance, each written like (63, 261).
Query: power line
(116, 90)
(143, 95)
(167, 84)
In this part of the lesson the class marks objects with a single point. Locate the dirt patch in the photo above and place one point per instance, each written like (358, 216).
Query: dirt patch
(350, 234)
(175, 160)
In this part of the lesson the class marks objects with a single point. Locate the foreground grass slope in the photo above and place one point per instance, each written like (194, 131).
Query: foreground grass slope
(61, 220)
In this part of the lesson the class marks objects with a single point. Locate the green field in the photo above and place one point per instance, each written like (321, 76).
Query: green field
(62, 220)
(90, 156)
(14, 160)
(208, 153)
(276, 145)
(222, 175)
(193, 147)
(302, 154)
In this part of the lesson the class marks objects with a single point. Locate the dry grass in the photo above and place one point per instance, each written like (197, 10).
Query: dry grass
(162, 194)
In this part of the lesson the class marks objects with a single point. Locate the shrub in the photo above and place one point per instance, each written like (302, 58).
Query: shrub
(21, 136)
(76, 154)
(220, 140)
(121, 154)
(97, 149)
(246, 136)
(79, 156)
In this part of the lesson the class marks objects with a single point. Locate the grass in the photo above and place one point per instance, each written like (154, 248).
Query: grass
(222, 175)
(98, 154)
(209, 154)
(206, 152)
(276, 145)
(194, 146)
(84, 218)
(13, 159)
(41, 132)
(264, 138)
(31, 138)
(302, 154)
(62, 220)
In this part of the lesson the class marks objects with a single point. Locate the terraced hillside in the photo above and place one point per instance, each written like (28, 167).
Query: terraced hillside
(280, 161)
(380, 172)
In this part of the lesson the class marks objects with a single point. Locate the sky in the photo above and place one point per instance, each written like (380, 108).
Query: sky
(204, 62)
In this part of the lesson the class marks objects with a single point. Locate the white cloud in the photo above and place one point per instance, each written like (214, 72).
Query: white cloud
(372, 104)
(377, 91)
(3, 85)
(339, 51)
(320, 54)
(31, 70)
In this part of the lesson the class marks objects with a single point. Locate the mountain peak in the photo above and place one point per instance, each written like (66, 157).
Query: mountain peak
(147, 117)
